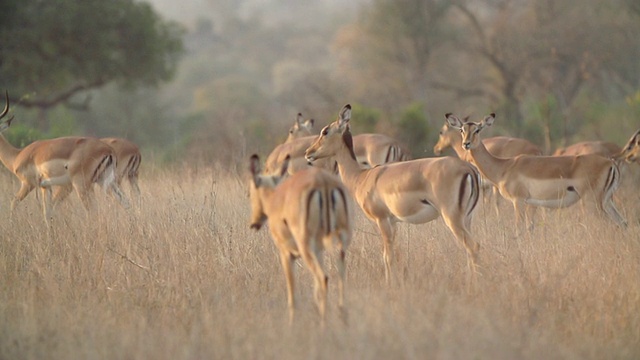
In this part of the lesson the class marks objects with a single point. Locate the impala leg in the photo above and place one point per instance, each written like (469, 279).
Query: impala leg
(341, 266)
(60, 194)
(387, 230)
(122, 199)
(313, 258)
(496, 199)
(135, 189)
(47, 203)
(461, 232)
(286, 259)
(25, 189)
(609, 208)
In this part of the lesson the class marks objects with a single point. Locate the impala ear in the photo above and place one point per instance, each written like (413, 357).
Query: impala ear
(299, 118)
(632, 141)
(453, 121)
(254, 168)
(285, 165)
(310, 123)
(488, 120)
(345, 115)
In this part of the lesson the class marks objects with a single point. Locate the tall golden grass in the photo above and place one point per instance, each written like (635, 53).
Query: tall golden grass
(183, 277)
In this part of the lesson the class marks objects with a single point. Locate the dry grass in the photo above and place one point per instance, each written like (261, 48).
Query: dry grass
(183, 277)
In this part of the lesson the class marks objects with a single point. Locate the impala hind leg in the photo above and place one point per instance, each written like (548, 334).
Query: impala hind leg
(286, 259)
(387, 231)
(135, 189)
(460, 229)
(47, 204)
(60, 194)
(25, 189)
(114, 190)
(312, 256)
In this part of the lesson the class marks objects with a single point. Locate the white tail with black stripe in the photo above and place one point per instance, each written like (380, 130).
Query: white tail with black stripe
(415, 191)
(548, 181)
(64, 163)
(307, 213)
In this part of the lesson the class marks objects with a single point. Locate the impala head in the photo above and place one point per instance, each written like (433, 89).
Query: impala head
(332, 138)
(469, 130)
(260, 184)
(4, 124)
(446, 138)
(300, 128)
(631, 151)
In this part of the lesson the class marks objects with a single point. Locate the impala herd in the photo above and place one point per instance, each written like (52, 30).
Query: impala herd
(58, 166)
(309, 181)
(389, 187)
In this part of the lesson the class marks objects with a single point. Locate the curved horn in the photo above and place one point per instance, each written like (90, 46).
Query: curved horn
(6, 107)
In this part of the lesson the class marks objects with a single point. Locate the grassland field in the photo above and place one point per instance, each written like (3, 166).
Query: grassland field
(181, 276)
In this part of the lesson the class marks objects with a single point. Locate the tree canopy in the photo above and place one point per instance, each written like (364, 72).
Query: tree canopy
(52, 50)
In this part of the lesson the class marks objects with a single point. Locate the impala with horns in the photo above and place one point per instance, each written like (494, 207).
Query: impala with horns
(547, 181)
(499, 146)
(300, 128)
(415, 191)
(307, 213)
(78, 162)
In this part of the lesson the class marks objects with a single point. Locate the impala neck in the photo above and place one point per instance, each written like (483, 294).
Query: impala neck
(456, 145)
(348, 166)
(8, 153)
(491, 167)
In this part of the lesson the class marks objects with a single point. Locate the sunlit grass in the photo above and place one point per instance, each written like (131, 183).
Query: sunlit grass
(184, 277)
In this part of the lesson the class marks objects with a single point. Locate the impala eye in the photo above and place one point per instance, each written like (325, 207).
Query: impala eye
(325, 131)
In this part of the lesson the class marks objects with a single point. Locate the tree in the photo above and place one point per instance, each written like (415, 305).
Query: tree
(53, 50)
(392, 43)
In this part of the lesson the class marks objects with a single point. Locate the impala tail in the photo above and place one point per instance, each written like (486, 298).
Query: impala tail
(131, 170)
(105, 176)
(469, 194)
(610, 186)
(327, 214)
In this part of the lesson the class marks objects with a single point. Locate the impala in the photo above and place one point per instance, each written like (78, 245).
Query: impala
(371, 150)
(307, 213)
(631, 151)
(415, 191)
(548, 181)
(128, 162)
(300, 128)
(602, 148)
(499, 146)
(76, 162)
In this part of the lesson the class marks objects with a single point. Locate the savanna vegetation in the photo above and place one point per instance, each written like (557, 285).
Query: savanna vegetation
(182, 276)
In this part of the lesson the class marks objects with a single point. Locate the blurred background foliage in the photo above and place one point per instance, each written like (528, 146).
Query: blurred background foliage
(216, 80)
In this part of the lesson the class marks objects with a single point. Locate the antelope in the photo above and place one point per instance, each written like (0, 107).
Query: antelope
(415, 191)
(602, 148)
(67, 162)
(128, 161)
(307, 213)
(631, 150)
(371, 150)
(300, 128)
(547, 181)
(499, 146)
